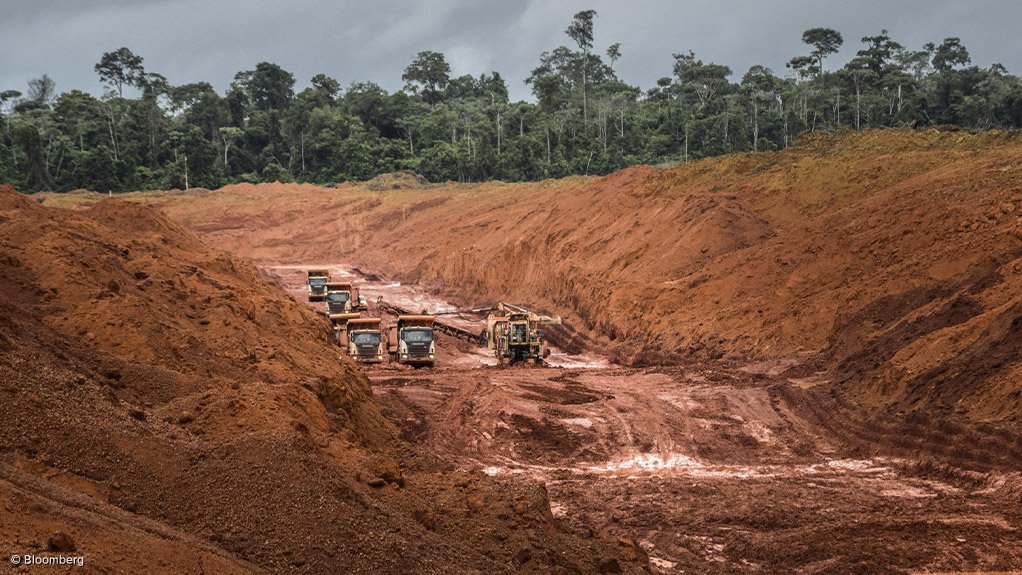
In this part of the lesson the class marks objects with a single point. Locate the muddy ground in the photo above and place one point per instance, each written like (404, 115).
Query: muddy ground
(893, 256)
(713, 467)
(165, 410)
(817, 350)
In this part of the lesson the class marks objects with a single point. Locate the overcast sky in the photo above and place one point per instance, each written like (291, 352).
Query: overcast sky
(359, 40)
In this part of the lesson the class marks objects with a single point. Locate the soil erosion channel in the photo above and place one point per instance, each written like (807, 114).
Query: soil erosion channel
(711, 466)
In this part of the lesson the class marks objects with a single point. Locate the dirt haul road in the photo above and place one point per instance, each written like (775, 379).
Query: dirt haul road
(164, 410)
(712, 467)
(892, 257)
(833, 329)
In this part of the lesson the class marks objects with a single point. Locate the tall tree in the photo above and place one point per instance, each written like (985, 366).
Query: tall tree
(42, 90)
(614, 53)
(949, 54)
(271, 87)
(761, 87)
(120, 68)
(230, 135)
(28, 138)
(880, 52)
(428, 76)
(326, 89)
(824, 41)
(581, 31)
(7, 100)
(707, 80)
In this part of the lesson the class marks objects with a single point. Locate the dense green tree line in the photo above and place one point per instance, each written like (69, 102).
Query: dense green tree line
(585, 120)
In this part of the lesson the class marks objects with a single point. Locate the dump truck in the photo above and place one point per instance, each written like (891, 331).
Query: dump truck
(411, 341)
(366, 343)
(317, 284)
(514, 335)
(342, 297)
(339, 325)
(443, 327)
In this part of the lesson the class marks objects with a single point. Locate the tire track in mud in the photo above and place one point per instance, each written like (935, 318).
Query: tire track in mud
(734, 508)
(712, 468)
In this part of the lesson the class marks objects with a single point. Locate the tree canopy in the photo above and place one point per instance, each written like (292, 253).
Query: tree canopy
(145, 132)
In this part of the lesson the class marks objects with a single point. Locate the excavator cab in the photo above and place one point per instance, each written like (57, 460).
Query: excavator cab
(518, 330)
(523, 340)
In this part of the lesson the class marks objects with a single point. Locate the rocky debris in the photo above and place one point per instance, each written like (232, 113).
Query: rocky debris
(61, 542)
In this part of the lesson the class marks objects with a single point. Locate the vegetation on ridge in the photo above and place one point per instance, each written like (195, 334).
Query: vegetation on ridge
(585, 119)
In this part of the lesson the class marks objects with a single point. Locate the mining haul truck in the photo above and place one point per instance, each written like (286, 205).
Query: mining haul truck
(513, 334)
(365, 340)
(317, 284)
(339, 323)
(411, 341)
(342, 297)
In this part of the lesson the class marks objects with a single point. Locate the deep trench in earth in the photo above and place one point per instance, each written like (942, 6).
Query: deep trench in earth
(712, 467)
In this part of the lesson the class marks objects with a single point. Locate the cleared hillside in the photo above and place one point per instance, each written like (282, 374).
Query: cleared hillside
(156, 395)
(889, 259)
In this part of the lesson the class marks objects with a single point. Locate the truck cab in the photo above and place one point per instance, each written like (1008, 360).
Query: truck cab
(339, 325)
(317, 281)
(341, 297)
(366, 343)
(412, 341)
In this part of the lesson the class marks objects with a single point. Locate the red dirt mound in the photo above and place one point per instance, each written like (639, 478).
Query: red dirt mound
(156, 395)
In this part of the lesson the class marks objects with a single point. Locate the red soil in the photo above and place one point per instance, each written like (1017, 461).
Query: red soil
(892, 258)
(174, 412)
(822, 369)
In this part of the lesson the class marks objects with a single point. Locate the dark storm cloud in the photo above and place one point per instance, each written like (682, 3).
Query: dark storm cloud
(207, 40)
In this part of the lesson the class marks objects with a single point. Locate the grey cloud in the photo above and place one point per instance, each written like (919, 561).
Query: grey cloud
(201, 40)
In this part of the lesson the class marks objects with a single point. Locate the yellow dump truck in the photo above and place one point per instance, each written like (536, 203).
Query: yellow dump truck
(366, 343)
(411, 341)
